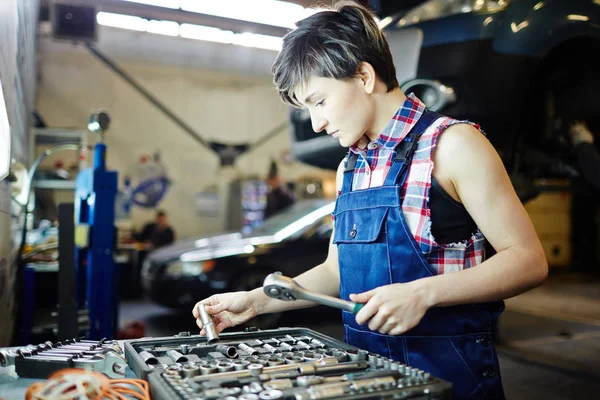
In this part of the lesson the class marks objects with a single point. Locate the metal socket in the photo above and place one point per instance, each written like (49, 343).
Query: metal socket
(270, 348)
(301, 345)
(176, 356)
(240, 365)
(318, 343)
(225, 367)
(208, 369)
(148, 358)
(209, 327)
(271, 361)
(190, 370)
(247, 349)
(228, 351)
(287, 347)
(270, 394)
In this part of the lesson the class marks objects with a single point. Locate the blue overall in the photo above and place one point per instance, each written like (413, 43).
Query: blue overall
(376, 248)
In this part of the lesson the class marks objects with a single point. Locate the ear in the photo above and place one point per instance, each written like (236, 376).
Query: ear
(367, 76)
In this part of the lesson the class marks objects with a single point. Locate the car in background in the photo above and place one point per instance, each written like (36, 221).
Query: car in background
(291, 241)
(522, 69)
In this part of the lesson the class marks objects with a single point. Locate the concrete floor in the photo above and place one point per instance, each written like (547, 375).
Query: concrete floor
(549, 338)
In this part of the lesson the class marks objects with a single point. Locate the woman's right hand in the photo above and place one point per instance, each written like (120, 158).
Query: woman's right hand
(226, 309)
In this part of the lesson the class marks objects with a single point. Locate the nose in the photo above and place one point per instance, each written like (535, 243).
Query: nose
(318, 122)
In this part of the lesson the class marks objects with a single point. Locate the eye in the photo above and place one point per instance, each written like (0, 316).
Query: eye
(320, 103)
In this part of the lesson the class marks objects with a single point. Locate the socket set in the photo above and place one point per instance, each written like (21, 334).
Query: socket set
(285, 363)
(39, 361)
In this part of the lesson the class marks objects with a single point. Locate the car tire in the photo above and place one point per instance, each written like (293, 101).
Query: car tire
(249, 281)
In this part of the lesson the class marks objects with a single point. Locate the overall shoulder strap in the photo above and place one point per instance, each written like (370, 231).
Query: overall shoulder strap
(406, 148)
(349, 171)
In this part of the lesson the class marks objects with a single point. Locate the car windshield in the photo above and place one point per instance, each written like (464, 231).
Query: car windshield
(294, 213)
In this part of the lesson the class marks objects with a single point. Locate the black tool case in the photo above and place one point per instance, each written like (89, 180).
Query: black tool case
(284, 363)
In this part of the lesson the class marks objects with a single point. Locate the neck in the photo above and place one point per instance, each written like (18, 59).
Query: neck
(386, 105)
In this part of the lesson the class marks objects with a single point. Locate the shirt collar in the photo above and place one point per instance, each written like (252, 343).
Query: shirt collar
(397, 129)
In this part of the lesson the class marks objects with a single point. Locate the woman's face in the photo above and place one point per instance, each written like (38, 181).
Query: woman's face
(340, 107)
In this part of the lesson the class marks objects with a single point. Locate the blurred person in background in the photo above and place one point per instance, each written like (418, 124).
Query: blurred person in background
(158, 233)
(278, 197)
(588, 157)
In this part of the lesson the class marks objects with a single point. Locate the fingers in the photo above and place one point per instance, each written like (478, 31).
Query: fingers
(398, 330)
(216, 308)
(366, 313)
(221, 326)
(209, 306)
(362, 297)
(386, 328)
(376, 322)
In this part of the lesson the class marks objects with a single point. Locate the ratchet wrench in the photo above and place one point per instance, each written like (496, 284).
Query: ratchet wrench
(284, 288)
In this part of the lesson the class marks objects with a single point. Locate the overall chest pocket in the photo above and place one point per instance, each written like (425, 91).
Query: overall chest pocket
(363, 253)
(360, 226)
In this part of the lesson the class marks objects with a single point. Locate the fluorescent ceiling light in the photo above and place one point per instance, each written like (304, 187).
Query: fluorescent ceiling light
(259, 41)
(207, 33)
(268, 12)
(189, 31)
(122, 21)
(159, 3)
(169, 28)
(211, 34)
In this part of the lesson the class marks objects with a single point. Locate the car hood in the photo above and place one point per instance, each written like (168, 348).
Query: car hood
(283, 227)
(176, 249)
(206, 248)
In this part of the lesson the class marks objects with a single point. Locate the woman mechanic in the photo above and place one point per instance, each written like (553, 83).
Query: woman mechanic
(419, 195)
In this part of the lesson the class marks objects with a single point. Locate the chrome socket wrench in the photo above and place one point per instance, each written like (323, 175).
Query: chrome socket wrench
(285, 288)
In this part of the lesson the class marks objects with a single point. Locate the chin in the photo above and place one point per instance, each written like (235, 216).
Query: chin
(346, 142)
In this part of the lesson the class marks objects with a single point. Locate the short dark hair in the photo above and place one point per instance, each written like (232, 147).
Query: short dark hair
(161, 213)
(332, 44)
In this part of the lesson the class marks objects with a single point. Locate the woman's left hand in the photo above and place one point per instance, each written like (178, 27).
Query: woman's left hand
(391, 309)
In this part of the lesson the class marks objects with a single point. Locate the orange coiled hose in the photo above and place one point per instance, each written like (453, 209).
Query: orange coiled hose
(75, 383)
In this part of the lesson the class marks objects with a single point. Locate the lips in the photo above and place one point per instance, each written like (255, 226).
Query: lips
(334, 134)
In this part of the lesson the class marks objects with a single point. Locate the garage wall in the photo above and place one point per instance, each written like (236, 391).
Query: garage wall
(222, 103)
(18, 23)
